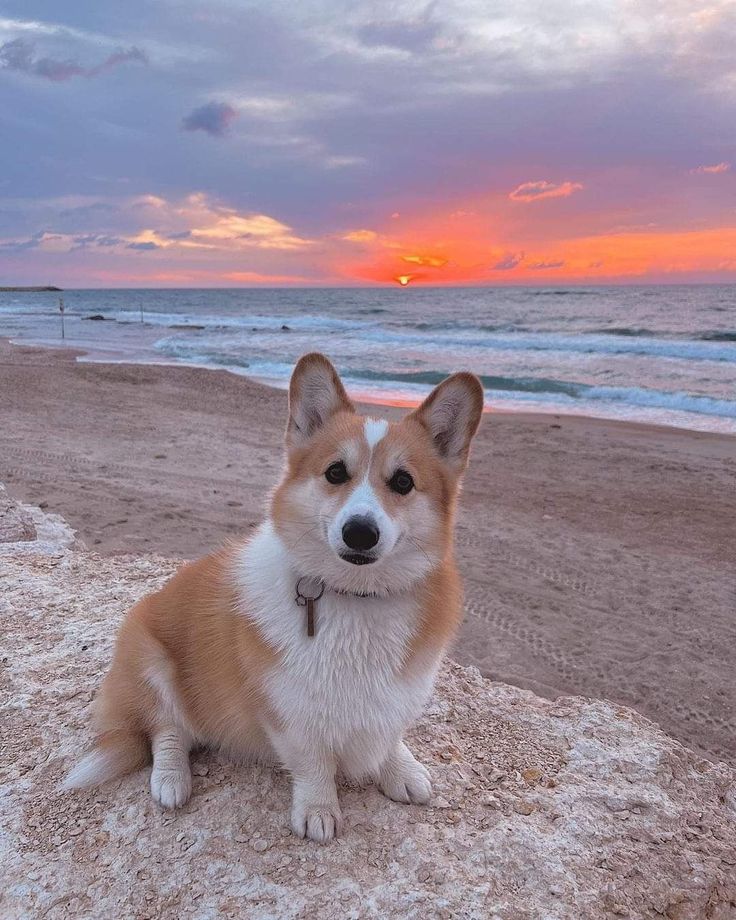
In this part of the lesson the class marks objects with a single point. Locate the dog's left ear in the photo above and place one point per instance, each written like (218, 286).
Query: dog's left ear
(316, 393)
(451, 413)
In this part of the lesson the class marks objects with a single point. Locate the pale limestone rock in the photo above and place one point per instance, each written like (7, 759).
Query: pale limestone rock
(27, 530)
(573, 809)
(16, 525)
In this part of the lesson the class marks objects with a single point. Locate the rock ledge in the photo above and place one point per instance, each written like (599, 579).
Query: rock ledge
(568, 809)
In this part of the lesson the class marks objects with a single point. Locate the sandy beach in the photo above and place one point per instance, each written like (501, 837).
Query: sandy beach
(598, 556)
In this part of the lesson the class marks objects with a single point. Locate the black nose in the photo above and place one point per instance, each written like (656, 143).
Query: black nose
(360, 533)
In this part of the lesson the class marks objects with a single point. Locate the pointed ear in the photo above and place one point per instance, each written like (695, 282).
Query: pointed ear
(451, 413)
(316, 393)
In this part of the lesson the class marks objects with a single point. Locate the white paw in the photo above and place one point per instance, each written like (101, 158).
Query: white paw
(318, 822)
(407, 782)
(171, 787)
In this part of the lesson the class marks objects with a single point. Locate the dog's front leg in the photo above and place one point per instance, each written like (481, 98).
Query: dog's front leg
(402, 778)
(171, 777)
(315, 812)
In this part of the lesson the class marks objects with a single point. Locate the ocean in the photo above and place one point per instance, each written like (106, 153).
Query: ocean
(663, 354)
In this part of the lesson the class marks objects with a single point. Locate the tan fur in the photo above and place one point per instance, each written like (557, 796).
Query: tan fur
(191, 633)
(442, 613)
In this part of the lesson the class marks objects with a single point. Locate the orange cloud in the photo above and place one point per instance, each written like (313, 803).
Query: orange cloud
(433, 261)
(360, 236)
(716, 168)
(199, 222)
(259, 230)
(535, 191)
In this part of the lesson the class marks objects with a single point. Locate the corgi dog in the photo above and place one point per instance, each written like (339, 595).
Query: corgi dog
(315, 643)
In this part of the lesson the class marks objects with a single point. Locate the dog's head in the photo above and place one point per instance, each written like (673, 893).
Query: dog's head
(367, 505)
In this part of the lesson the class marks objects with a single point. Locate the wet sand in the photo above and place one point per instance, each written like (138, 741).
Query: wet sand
(599, 557)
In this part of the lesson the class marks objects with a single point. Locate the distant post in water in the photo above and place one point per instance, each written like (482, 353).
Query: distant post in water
(61, 312)
(141, 311)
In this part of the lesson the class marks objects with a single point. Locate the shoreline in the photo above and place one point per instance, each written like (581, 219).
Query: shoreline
(663, 359)
(597, 556)
(83, 356)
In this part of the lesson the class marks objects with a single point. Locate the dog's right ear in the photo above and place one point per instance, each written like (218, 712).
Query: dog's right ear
(316, 393)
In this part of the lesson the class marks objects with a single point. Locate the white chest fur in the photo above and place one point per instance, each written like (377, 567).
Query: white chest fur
(343, 689)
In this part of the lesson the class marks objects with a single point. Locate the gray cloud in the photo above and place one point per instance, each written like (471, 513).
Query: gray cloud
(413, 35)
(214, 118)
(19, 55)
(20, 245)
(116, 58)
(90, 240)
(86, 211)
(143, 247)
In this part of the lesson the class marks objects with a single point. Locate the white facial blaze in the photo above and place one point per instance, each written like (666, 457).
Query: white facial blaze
(375, 429)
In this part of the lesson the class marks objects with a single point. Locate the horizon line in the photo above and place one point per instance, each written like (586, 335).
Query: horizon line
(55, 289)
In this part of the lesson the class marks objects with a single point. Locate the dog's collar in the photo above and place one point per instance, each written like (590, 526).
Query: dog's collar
(309, 590)
(358, 593)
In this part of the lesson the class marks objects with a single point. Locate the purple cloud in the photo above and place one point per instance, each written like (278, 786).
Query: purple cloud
(715, 168)
(87, 240)
(214, 118)
(19, 245)
(117, 58)
(143, 247)
(510, 260)
(533, 191)
(548, 264)
(19, 55)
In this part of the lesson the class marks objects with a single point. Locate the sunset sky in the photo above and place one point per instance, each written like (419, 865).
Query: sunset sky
(183, 143)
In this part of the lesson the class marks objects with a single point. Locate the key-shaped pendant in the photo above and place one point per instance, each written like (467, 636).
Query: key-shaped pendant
(309, 590)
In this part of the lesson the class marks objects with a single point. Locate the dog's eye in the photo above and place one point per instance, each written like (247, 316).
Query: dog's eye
(401, 482)
(336, 473)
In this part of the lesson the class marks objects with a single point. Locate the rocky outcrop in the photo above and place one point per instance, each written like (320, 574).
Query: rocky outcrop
(16, 524)
(574, 809)
(28, 531)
